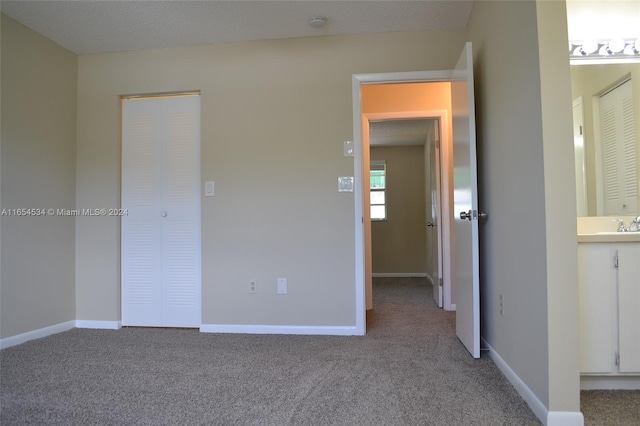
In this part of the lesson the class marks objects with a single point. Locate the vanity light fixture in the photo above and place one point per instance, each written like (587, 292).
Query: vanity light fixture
(595, 50)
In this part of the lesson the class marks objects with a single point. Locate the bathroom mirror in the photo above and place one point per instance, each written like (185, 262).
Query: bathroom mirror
(606, 109)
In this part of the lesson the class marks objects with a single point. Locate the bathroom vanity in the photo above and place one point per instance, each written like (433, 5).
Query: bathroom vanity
(609, 292)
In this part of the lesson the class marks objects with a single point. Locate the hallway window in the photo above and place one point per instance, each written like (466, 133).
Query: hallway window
(378, 185)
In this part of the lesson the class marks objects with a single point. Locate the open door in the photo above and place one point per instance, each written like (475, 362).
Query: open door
(433, 224)
(465, 199)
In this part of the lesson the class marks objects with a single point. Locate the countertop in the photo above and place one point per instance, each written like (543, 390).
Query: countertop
(610, 237)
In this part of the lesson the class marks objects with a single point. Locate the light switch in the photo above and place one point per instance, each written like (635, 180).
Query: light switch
(208, 188)
(345, 184)
(348, 148)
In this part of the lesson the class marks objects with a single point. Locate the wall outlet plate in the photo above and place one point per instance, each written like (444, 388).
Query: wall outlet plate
(281, 286)
(348, 148)
(345, 184)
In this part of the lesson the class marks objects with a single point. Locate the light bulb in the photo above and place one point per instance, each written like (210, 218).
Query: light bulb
(590, 46)
(616, 45)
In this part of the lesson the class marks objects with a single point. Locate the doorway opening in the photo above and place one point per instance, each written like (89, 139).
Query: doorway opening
(409, 103)
(408, 241)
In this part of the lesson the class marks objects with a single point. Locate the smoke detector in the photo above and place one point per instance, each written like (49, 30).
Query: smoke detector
(317, 21)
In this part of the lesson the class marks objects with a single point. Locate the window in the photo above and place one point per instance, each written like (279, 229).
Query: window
(378, 186)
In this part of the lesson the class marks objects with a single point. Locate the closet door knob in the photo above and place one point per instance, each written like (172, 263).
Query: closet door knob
(164, 214)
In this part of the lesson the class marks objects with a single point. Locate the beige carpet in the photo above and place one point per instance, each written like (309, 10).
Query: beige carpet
(410, 369)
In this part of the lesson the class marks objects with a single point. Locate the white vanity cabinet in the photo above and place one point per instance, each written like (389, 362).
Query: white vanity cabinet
(609, 291)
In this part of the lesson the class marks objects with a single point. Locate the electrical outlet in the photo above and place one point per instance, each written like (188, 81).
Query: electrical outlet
(253, 286)
(282, 286)
(501, 305)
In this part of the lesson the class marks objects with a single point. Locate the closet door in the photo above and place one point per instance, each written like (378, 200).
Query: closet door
(181, 270)
(141, 243)
(161, 233)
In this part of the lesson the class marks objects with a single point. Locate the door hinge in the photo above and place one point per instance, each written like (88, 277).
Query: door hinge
(617, 358)
(580, 130)
(437, 143)
(440, 282)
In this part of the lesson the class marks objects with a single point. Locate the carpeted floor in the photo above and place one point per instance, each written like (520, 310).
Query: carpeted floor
(610, 407)
(409, 369)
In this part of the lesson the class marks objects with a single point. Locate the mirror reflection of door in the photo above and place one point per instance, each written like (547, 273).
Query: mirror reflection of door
(578, 144)
(618, 151)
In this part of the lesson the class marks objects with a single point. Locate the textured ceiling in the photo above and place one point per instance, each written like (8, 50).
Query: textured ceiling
(98, 26)
(399, 132)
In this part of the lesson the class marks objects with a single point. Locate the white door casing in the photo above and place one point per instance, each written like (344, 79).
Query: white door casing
(465, 198)
(161, 260)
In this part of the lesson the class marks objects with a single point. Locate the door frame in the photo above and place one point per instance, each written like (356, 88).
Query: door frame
(198, 207)
(358, 80)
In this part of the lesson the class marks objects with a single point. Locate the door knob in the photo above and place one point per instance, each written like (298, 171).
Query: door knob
(465, 215)
(430, 224)
(164, 214)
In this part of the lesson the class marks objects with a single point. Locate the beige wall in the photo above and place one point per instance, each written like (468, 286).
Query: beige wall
(399, 243)
(39, 81)
(274, 117)
(591, 81)
(560, 207)
(528, 245)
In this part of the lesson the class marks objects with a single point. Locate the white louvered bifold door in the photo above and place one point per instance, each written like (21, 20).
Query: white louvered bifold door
(619, 175)
(181, 205)
(161, 233)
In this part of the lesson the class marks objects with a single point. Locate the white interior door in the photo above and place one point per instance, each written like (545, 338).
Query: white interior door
(465, 199)
(160, 255)
(580, 158)
(436, 229)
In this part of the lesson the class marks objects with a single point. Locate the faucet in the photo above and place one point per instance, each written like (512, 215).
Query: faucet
(621, 226)
(635, 225)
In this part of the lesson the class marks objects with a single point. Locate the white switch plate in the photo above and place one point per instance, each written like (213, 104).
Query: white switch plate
(345, 184)
(282, 286)
(208, 188)
(348, 148)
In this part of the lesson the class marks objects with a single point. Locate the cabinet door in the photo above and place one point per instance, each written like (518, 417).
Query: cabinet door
(629, 307)
(596, 278)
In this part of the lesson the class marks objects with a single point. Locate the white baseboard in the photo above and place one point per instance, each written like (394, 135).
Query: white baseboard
(565, 418)
(549, 418)
(610, 382)
(102, 325)
(399, 274)
(430, 279)
(280, 329)
(36, 334)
